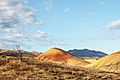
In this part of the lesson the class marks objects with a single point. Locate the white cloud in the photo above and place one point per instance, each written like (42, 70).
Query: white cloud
(114, 25)
(45, 40)
(11, 35)
(14, 15)
(15, 12)
(38, 35)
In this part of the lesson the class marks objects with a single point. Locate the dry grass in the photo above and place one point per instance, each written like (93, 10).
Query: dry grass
(91, 60)
(108, 63)
(31, 69)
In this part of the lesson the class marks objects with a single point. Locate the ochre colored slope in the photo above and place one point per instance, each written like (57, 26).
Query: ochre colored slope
(109, 63)
(59, 55)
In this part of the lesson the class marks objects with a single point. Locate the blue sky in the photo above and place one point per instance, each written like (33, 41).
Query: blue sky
(74, 24)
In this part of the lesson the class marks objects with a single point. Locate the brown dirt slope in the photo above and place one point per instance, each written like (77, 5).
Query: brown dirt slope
(30, 69)
(59, 55)
(108, 63)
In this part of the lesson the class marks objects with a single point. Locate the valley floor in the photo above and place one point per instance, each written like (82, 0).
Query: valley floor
(31, 69)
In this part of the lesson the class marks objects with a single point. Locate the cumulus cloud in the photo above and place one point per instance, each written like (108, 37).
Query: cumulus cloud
(45, 39)
(114, 25)
(11, 34)
(15, 12)
(15, 15)
(38, 35)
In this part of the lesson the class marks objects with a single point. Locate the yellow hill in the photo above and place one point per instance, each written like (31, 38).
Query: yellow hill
(108, 63)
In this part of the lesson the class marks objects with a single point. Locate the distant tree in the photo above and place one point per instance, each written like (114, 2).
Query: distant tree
(19, 52)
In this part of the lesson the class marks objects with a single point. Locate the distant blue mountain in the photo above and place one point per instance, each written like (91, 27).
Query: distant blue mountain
(87, 53)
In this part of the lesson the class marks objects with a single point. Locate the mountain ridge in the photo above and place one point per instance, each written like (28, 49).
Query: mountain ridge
(87, 53)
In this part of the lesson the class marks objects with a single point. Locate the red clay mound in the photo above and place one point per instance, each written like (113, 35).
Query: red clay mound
(59, 55)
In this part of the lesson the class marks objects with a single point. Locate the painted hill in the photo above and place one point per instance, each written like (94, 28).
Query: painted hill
(59, 55)
(87, 53)
(109, 63)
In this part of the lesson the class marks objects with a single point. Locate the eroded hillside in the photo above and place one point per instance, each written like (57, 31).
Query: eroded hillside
(31, 69)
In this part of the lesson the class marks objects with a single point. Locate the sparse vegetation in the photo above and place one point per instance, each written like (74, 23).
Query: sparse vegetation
(14, 53)
(108, 63)
(30, 69)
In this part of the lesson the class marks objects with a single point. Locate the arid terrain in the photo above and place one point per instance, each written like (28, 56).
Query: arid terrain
(59, 40)
(59, 55)
(31, 69)
(56, 64)
(108, 63)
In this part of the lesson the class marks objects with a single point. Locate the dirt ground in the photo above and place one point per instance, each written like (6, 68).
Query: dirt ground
(31, 69)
